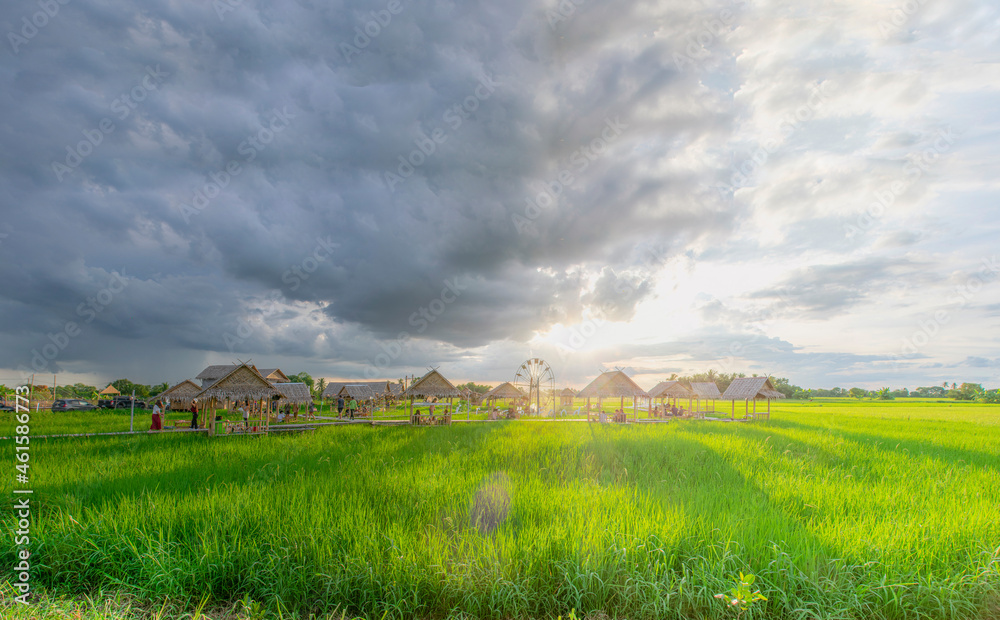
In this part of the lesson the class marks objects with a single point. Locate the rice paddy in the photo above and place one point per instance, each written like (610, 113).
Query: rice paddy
(839, 509)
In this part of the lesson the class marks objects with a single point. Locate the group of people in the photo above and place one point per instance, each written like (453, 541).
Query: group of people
(159, 411)
(667, 410)
(352, 407)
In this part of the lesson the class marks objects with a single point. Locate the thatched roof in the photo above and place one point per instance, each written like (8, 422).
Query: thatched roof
(274, 375)
(378, 388)
(568, 392)
(110, 390)
(217, 371)
(707, 391)
(612, 384)
(242, 382)
(185, 390)
(332, 389)
(751, 387)
(293, 392)
(357, 391)
(504, 390)
(432, 384)
(670, 389)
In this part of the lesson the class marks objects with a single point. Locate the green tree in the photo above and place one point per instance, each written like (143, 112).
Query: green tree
(320, 386)
(858, 393)
(885, 394)
(302, 377)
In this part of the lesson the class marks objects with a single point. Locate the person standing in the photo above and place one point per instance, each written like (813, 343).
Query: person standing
(157, 424)
(194, 413)
(340, 406)
(353, 406)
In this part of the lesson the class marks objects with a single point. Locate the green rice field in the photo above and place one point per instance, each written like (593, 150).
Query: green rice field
(839, 509)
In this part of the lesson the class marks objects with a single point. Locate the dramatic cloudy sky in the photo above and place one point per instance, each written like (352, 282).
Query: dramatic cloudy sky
(805, 189)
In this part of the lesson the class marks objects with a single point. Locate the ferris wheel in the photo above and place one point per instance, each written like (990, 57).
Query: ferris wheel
(537, 382)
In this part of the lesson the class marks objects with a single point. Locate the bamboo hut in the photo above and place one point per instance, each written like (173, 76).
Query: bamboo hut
(705, 392)
(751, 389)
(296, 394)
(566, 397)
(180, 395)
(242, 384)
(109, 391)
(613, 384)
(213, 373)
(433, 384)
(504, 391)
(360, 392)
(671, 390)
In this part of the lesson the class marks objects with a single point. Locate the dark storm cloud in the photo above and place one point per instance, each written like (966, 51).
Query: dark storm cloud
(219, 158)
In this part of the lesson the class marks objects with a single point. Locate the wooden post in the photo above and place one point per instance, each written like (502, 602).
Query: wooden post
(411, 409)
(732, 416)
(754, 408)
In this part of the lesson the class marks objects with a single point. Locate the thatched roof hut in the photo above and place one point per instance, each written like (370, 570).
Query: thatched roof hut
(243, 382)
(332, 389)
(110, 390)
(295, 393)
(751, 388)
(357, 391)
(504, 390)
(706, 391)
(180, 395)
(381, 389)
(670, 389)
(566, 397)
(213, 373)
(612, 384)
(432, 384)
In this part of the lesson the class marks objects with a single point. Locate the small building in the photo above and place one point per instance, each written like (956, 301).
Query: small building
(613, 384)
(504, 391)
(566, 397)
(705, 392)
(752, 389)
(243, 384)
(293, 394)
(180, 395)
(211, 374)
(431, 385)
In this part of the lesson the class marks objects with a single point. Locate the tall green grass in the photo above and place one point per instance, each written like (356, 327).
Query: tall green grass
(887, 512)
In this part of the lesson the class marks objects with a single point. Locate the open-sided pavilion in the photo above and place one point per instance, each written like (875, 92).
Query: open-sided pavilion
(751, 389)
